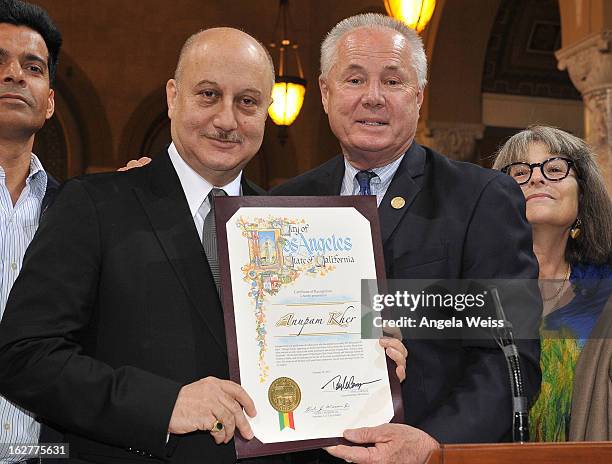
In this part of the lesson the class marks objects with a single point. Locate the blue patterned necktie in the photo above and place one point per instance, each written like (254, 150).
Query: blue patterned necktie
(364, 178)
(209, 236)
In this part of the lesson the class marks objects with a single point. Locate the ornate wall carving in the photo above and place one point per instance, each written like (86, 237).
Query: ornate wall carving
(589, 63)
(455, 140)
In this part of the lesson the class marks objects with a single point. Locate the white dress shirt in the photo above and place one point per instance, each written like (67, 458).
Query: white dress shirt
(197, 188)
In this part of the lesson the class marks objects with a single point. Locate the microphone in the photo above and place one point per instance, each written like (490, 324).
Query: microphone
(520, 405)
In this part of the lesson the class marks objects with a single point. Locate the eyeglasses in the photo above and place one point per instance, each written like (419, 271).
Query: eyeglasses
(554, 169)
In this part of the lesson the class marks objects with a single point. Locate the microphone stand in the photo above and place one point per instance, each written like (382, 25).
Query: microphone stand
(520, 405)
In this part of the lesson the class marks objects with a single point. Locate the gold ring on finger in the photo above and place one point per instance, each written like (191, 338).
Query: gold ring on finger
(216, 427)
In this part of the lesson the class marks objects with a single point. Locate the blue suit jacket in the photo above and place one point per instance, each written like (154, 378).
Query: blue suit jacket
(460, 221)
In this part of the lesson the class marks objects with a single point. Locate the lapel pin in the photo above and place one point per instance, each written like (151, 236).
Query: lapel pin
(398, 202)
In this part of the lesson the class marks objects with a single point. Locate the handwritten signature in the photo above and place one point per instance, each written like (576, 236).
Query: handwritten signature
(346, 383)
(327, 408)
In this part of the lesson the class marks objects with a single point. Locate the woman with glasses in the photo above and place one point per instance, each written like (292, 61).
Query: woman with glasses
(571, 217)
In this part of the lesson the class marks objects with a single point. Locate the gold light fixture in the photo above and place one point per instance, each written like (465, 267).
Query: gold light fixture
(288, 95)
(414, 13)
(289, 90)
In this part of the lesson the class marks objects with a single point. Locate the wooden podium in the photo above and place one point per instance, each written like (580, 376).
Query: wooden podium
(529, 453)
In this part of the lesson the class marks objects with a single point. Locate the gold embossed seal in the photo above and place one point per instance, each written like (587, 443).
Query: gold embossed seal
(284, 394)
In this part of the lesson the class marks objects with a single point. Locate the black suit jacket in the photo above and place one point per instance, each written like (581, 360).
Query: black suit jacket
(50, 193)
(459, 221)
(49, 434)
(114, 310)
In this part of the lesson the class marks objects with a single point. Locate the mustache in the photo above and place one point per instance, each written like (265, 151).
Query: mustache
(224, 136)
(16, 91)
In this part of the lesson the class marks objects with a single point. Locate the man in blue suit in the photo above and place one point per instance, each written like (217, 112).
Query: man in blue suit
(439, 219)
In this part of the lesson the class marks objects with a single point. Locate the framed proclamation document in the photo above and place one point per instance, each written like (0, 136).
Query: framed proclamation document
(291, 275)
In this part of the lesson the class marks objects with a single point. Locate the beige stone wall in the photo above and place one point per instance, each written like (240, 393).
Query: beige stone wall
(587, 56)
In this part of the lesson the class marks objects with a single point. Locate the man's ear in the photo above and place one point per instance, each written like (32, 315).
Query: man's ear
(324, 92)
(420, 98)
(50, 104)
(171, 92)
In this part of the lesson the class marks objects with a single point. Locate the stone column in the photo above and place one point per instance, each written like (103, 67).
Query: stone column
(589, 64)
(455, 140)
